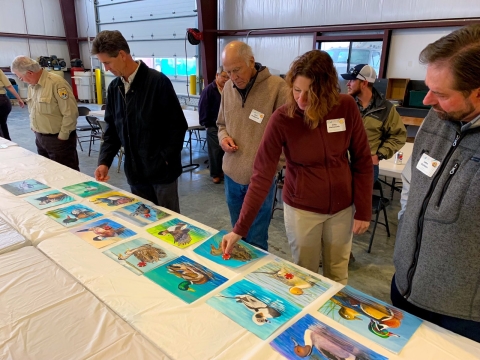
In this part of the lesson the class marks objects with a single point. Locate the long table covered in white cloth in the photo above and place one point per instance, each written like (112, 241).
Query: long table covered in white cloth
(179, 330)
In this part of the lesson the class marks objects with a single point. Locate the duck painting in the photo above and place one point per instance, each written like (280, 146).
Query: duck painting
(296, 283)
(239, 252)
(145, 253)
(191, 273)
(78, 213)
(261, 311)
(179, 232)
(142, 210)
(114, 200)
(51, 198)
(104, 231)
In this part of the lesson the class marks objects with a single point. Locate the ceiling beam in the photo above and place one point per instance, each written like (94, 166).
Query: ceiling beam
(70, 25)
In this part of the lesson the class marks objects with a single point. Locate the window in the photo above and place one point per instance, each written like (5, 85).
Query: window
(147, 61)
(176, 66)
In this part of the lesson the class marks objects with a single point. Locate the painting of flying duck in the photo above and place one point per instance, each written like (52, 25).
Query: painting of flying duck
(186, 279)
(112, 200)
(179, 233)
(24, 187)
(49, 199)
(380, 322)
(309, 338)
(140, 214)
(103, 232)
(73, 215)
(289, 282)
(242, 253)
(139, 255)
(256, 309)
(87, 189)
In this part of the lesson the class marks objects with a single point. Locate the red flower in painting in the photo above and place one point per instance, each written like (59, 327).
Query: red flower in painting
(288, 276)
(226, 256)
(147, 215)
(142, 264)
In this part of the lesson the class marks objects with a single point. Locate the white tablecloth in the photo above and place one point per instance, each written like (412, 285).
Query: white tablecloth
(10, 239)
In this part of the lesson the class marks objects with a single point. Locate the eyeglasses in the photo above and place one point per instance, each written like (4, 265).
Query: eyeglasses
(353, 71)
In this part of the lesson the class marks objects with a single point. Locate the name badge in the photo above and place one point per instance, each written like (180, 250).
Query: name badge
(256, 116)
(336, 125)
(428, 165)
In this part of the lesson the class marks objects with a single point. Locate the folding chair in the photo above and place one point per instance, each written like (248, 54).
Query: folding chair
(83, 111)
(379, 204)
(95, 131)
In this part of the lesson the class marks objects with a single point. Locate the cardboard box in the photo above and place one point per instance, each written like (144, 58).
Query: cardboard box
(396, 89)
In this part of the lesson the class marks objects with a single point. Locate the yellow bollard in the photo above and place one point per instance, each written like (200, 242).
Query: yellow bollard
(98, 83)
(193, 85)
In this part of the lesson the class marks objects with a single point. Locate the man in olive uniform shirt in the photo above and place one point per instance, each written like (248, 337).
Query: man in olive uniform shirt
(53, 112)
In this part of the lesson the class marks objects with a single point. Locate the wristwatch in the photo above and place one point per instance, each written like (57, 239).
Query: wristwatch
(381, 156)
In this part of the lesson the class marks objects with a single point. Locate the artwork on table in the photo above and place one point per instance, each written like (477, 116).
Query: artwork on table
(139, 255)
(242, 253)
(312, 339)
(380, 322)
(256, 309)
(140, 214)
(73, 215)
(186, 278)
(290, 282)
(103, 232)
(87, 188)
(179, 233)
(24, 187)
(112, 200)
(49, 198)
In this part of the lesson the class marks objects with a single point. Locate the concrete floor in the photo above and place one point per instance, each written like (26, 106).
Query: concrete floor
(204, 201)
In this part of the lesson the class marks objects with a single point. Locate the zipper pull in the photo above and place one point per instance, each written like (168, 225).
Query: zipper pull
(456, 140)
(455, 167)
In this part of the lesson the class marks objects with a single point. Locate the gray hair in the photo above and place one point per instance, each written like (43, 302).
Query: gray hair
(22, 64)
(220, 70)
(245, 52)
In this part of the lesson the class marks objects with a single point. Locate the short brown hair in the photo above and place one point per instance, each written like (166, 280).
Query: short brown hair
(324, 93)
(110, 42)
(460, 50)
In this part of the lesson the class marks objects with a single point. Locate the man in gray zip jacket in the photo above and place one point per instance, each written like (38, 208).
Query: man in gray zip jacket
(437, 251)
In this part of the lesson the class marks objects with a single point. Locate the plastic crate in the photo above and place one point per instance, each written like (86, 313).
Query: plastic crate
(10, 95)
(416, 99)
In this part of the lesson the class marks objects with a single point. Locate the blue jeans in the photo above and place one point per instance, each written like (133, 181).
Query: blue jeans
(258, 233)
(376, 170)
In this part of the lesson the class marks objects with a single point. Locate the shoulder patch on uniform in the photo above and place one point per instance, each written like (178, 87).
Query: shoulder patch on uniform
(63, 93)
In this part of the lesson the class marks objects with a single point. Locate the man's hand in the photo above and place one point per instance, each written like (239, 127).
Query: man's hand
(228, 145)
(359, 227)
(229, 241)
(375, 159)
(21, 103)
(101, 173)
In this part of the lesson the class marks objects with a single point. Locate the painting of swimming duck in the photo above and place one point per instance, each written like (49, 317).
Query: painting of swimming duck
(140, 214)
(73, 215)
(103, 232)
(310, 338)
(112, 200)
(242, 253)
(49, 199)
(179, 233)
(186, 278)
(24, 186)
(87, 189)
(382, 323)
(290, 282)
(255, 308)
(140, 255)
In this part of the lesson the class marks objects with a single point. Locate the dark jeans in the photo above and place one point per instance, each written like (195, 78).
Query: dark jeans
(62, 151)
(5, 108)
(376, 170)
(165, 195)
(215, 152)
(468, 328)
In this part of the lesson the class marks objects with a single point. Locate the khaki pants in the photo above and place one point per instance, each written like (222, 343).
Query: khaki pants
(305, 232)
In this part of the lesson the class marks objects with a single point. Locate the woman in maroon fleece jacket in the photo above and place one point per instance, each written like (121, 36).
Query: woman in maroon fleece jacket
(328, 182)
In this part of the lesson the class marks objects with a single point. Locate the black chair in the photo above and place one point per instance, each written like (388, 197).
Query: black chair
(379, 204)
(121, 152)
(83, 111)
(104, 106)
(95, 131)
(279, 181)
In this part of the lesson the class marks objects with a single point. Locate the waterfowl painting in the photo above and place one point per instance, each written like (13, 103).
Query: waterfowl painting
(293, 284)
(49, 199)
(309, 338)
(103, 232)
(73, 215)
(186, 278)
(179, 233)
(24, 186)
(87, 189)
(140, 214)
(242, 254)
(139, 255)
(256, 309)
(382, 323)
(112, 200)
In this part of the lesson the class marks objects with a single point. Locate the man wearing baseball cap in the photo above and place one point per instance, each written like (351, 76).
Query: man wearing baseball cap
(385, 130)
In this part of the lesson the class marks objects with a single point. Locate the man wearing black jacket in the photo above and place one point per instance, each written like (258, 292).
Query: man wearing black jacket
(144, 116)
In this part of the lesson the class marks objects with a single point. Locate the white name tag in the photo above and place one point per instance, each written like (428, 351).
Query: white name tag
(428, 165)
(336, 125)
(256, 116)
